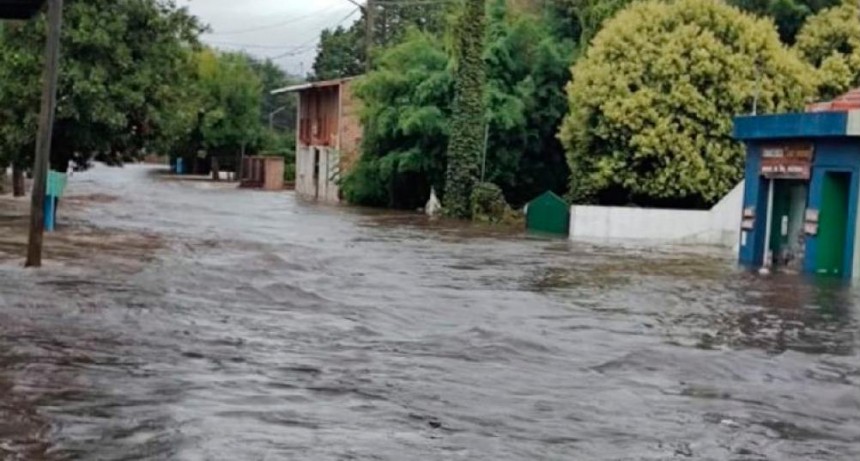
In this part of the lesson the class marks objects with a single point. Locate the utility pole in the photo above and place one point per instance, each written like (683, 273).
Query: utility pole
(370, 19)
(46, 131)
(369, 10)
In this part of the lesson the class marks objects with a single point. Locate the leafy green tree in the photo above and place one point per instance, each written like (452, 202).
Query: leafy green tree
(527, 66)
(230, 100)
(342, 51)
(407, 104)
(590, 15)
(468, 117)
(121, 88)
(789, 15)
(273, 77)
(395, 18)
(406, 107)
(830, 41)
(651, 104)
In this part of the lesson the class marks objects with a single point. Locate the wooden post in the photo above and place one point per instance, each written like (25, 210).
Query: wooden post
(46, 129)
(241, 167)
(18, 183)
(216, 171)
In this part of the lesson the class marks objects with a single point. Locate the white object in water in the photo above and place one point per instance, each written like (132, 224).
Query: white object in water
(433, 205)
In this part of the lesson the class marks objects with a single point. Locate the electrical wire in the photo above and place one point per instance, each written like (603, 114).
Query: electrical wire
(248, 45)
(275, 26)
(410, 2)
(303, 47)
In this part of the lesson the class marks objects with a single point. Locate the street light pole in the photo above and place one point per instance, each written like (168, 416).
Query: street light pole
(273, 114)
(43, 138)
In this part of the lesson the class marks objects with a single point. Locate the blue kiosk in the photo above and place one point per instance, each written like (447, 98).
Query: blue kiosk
(801, 192)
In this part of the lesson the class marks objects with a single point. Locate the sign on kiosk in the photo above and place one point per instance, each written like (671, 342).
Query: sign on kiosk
(788, 161)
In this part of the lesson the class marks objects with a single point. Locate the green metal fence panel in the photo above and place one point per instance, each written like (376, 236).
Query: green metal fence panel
(549, 214)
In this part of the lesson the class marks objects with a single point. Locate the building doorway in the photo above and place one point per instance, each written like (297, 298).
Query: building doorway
(316, 177)
(787, 243)
(833, 224)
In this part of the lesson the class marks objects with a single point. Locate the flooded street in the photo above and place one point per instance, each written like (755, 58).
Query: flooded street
(190, 320)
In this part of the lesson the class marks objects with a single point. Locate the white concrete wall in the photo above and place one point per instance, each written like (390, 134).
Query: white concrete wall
(719, 226)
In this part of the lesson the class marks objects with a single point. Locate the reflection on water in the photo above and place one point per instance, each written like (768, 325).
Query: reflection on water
(188, 320)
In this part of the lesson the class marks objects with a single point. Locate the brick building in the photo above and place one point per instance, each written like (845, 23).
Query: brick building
(328, 137)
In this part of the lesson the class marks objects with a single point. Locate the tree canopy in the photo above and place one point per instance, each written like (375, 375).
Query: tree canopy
(651, 103)
(121, 80)
(342, 52)
(527, 57)
(788, 15)
(830, 41)
(230, 100)
(407, 104)
(273, 77)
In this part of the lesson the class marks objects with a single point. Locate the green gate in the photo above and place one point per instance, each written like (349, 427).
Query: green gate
(549, 214)
(833, 223)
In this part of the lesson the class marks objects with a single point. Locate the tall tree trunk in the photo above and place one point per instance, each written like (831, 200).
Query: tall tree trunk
(18, 187)
(467, 133)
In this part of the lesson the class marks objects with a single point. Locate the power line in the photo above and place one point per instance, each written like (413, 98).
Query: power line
(291, 50)
(294, 52)
(402, 2)
(298, 49)
(249, 45)
(410, 2)
(275, 26)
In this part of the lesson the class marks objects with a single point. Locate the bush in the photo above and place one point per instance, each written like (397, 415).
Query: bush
(652, 102)
(365, 184)
(488, 203)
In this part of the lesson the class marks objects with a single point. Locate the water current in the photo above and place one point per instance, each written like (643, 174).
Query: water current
(190, 320)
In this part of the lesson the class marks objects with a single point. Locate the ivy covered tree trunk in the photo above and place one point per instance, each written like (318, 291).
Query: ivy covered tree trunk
(467, 123)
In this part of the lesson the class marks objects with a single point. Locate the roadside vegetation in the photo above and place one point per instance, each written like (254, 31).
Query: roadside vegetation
(602, 101)
(136, 80)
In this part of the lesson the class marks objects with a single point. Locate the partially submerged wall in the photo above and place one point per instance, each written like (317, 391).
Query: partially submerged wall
(719, 226)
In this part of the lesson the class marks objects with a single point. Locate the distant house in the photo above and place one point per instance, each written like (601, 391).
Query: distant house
(328, 137)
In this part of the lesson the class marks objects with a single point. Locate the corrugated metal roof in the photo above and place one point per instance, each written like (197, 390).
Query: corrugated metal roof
(846, 102)
(310, 85)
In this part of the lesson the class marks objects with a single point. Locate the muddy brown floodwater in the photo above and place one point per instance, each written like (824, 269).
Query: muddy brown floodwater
(187, 320)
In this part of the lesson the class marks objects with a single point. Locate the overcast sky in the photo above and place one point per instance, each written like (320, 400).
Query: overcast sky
(285, 30)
